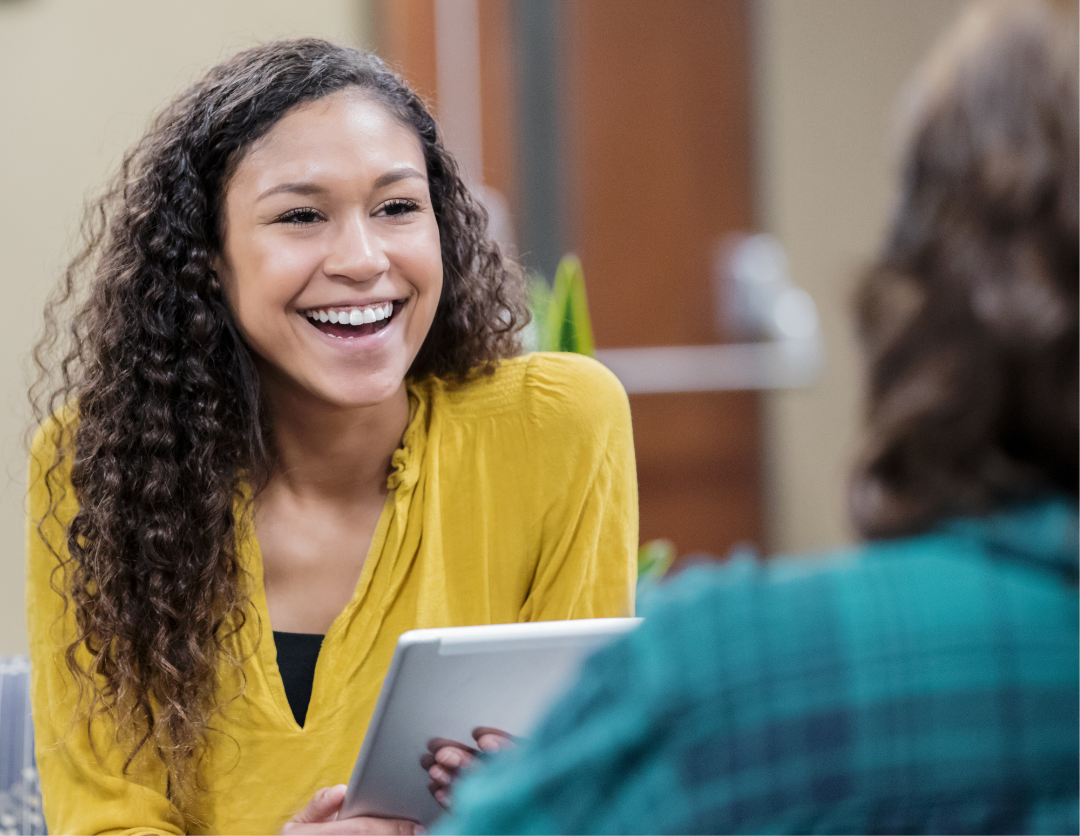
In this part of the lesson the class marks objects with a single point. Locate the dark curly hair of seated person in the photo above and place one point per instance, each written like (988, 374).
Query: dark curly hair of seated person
(969, 318)
(152, 398)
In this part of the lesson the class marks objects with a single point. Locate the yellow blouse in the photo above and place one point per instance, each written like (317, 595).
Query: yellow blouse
(513, 498)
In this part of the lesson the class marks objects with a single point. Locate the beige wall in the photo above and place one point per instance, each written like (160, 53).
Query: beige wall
(828, 75)
(78, 81)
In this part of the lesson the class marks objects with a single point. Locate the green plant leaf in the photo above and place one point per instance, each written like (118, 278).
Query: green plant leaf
(535, 337)
(655, 558)
(560, 312)
(568, 325)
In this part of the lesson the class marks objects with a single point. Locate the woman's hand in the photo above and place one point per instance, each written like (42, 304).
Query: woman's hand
(320, 817)
(445, 759)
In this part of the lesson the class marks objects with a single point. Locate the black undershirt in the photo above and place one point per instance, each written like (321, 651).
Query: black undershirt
(297, 654)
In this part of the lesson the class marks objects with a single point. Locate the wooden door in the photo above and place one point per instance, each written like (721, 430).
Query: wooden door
(655, 165)
(658, 94)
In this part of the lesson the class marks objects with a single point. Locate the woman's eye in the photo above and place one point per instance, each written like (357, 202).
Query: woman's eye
(397, 208)
(300, 217)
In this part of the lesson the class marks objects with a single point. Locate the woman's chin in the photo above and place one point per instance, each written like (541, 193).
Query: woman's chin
(371, 392)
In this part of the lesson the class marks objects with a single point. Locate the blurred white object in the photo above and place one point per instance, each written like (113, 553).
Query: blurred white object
(755, 300)
(500, 223)
(755, 297)
(784, 364)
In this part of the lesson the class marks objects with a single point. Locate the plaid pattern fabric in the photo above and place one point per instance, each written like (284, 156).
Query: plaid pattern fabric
(921, 685)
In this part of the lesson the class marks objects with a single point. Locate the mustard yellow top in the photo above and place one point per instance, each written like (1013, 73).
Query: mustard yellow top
(513, 498)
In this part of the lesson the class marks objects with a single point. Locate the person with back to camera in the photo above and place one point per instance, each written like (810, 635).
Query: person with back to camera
(290, 426)
(927, 680)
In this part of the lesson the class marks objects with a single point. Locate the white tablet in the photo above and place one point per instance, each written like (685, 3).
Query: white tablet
(445, 683)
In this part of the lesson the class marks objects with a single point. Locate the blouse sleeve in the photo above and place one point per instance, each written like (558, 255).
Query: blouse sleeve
(85, 787)
(583, 462)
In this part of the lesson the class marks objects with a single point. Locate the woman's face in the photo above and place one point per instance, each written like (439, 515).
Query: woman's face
(331, 261)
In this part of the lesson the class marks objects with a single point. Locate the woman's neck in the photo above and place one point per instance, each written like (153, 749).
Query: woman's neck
(342, 454)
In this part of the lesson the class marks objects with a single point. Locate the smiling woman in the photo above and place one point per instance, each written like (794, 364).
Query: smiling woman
(289, 425)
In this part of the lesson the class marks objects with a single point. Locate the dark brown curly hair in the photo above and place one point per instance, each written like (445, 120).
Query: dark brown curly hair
(969, 318)
(166, 421)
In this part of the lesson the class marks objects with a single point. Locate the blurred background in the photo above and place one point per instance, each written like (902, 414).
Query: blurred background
(643, 135)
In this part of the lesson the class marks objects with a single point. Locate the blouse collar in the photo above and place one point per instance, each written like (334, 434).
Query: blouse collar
(405, 462)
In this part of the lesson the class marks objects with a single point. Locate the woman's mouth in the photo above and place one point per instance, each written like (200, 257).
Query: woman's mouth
(352, 321)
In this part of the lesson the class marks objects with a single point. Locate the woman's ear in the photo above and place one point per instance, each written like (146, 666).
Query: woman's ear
(219, 274)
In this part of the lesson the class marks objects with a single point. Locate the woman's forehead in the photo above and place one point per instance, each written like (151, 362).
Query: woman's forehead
(347, 133)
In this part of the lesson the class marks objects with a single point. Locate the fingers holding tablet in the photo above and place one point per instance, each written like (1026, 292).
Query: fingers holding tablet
(445, 758)
(492, 740)
(320, 817)
(444, 761)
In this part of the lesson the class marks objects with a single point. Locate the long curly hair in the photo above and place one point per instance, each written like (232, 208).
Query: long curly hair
(165, 421)
(969, 318)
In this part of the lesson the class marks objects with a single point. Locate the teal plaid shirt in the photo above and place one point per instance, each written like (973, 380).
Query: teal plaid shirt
(921, 685)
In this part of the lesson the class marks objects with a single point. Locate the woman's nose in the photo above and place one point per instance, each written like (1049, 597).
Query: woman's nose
(356, 253)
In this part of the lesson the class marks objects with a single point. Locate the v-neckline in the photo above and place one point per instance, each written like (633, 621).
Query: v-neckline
(267, 648)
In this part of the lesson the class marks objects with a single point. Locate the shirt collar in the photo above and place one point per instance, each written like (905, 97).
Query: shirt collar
(1046, 532)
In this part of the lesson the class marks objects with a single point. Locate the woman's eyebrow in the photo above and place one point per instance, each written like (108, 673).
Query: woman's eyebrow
(397, 174)
(306, 189)
(293, 188)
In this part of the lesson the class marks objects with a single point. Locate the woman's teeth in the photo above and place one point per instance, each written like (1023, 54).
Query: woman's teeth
(351, 316)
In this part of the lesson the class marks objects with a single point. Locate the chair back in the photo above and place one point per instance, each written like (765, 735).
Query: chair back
(20, 791)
